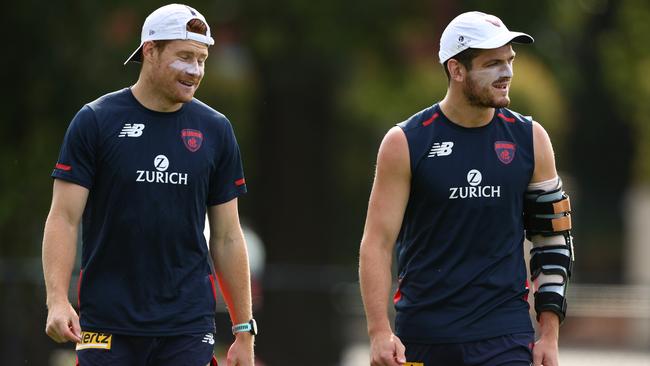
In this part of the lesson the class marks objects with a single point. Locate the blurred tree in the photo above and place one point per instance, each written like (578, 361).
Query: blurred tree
(601, 131)
(624, 52)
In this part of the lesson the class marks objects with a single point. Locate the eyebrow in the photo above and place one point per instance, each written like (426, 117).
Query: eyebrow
(512, 57)
(192, 53)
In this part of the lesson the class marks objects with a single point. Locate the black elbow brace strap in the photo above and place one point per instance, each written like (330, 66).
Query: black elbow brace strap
(552, 259)
(551, 297)
(547, 220)
(547, 213)
(550, 268)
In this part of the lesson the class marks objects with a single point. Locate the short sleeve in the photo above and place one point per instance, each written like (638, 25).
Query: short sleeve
(76, 161)
(227, 179)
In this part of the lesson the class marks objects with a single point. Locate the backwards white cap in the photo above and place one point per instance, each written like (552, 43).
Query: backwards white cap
(168, 23)
(476, 30)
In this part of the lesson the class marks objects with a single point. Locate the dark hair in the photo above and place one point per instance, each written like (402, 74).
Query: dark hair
(465, 58)
(194, 26)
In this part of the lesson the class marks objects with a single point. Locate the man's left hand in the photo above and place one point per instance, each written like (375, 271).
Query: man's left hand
(545, 351)
(241, 351)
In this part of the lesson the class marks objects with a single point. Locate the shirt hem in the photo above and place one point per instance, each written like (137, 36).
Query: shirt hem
(149, 333)
(228, 197)
(442, 339)
(72, 180)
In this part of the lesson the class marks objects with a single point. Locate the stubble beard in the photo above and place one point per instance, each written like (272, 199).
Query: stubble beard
(166, 86)
(480, 97)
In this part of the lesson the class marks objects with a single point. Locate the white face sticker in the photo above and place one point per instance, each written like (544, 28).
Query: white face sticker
(489, 86)
(191, 68)
(487, 76)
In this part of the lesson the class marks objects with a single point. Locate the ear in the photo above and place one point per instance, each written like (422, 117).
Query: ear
(148, 50)
(457, 71)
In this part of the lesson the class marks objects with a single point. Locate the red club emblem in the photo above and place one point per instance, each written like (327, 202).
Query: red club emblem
(192, 139)
(505, 151)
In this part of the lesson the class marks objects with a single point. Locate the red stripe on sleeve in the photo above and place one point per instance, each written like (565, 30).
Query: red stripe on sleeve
(240, 182)
(67, 168)
(430, 120)
(507, 119)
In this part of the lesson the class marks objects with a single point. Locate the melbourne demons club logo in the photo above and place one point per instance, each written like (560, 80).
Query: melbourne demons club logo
(192, 139)
(505, 151)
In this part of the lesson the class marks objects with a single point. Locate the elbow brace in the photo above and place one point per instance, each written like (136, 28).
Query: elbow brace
(547, 220)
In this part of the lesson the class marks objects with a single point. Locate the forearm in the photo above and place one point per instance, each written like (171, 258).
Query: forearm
(59, 250)
(549, 326)
(230, 259)
(375, 281)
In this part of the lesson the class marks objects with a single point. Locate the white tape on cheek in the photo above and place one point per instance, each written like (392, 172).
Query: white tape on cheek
(187, 67)
(491, 74)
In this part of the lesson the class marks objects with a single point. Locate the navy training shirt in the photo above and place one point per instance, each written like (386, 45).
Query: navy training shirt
(151, 176)
(461, 268)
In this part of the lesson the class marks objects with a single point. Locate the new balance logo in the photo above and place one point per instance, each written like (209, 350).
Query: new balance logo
(441, 149)
(132, 130)
(208, 338)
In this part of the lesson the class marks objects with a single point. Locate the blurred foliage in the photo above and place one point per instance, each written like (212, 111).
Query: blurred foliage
(626, 57)
(311, 88)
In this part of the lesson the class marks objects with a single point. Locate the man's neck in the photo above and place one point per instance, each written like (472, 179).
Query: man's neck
(458, 110)
(147, 95)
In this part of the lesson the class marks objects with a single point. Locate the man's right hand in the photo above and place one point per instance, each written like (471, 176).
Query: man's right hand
(386, 350)
(63, 323)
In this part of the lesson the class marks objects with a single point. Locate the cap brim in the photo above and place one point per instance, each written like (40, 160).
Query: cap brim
(503, 39)
(136, 56)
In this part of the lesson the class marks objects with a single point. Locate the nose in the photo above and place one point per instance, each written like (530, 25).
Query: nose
(193, 68)
(507, 71)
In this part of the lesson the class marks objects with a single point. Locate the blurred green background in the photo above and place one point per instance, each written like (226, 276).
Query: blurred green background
(311, 88)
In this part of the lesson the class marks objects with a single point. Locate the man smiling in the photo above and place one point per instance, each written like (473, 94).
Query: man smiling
(140, 168)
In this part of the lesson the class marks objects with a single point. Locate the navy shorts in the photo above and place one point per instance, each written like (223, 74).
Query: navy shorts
(102, 349)
(507, 350)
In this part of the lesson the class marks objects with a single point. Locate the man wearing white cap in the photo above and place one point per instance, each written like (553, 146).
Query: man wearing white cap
(140, 168)
(457, 188)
